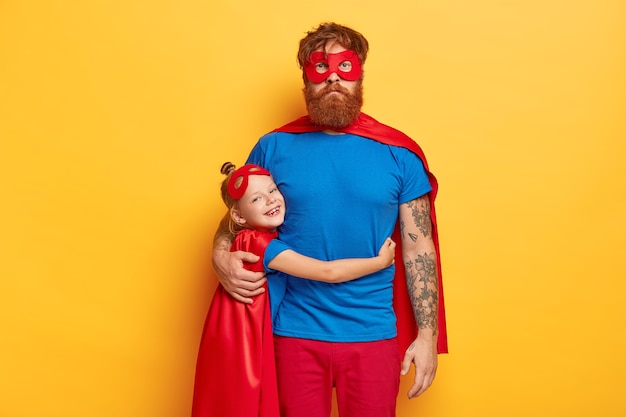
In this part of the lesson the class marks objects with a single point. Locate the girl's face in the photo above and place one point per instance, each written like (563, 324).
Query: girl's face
(262, 206)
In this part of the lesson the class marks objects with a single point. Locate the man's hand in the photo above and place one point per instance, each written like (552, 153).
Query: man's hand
(240, 283)
(423, 354)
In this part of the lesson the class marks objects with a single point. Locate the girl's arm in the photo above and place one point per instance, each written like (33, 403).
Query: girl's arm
(340, 270)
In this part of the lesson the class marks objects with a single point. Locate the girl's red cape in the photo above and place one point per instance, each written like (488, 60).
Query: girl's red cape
(235, 370)
(368, 127)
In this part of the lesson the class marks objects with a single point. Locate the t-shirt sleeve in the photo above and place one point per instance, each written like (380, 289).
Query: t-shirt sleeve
(416, 182)
(274, 248)
(258, 152)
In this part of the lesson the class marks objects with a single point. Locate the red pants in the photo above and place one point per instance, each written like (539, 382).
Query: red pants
(365, 375)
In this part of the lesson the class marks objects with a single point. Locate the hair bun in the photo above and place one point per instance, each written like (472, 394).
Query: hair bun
(227, 168)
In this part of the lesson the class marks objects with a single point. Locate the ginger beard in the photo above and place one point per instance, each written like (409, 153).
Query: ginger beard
(334, 110)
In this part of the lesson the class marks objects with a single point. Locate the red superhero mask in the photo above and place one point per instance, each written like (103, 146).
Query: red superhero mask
(345, 64)
(237, 191)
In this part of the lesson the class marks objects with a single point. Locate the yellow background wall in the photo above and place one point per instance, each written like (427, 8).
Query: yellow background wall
(115, 117)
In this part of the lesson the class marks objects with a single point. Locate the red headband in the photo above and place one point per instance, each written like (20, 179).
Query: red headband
(244, 172)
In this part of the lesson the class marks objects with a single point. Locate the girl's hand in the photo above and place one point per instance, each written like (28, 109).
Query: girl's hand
(387, 252)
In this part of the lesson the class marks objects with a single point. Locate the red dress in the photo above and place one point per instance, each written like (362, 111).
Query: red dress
(235, 370)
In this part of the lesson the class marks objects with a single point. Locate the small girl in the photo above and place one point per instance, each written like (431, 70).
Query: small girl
(235, 371)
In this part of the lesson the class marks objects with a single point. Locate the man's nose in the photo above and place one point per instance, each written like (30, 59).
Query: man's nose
(332, 78)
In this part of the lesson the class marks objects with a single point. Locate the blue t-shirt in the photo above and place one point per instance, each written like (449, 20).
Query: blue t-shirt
(342, 195)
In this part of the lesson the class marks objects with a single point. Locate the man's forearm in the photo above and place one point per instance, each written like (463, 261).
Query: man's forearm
(420, 262)
(222, 242)
(223, 238)
(421, 276)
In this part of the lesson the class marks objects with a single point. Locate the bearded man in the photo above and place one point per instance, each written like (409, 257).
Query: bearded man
(349, 182)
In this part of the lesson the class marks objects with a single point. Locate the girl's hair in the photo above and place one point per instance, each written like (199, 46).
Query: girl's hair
(332, 32)
(228, 168)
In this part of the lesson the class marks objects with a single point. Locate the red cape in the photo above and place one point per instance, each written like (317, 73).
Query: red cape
(236, 369)
(368, 127)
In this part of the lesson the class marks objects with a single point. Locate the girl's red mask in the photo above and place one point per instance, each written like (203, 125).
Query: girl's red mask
(237, 191)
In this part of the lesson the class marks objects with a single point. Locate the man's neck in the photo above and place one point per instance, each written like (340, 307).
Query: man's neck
(332, 132)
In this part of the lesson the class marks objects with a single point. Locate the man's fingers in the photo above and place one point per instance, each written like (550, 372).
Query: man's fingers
(247, 256)
(244, 296)
(250, 282)
(241, 299)
(423, 381)
(249, 293)
(413, 392)
(406, 364)
(417, 389)
(244, 291)
(418, 383)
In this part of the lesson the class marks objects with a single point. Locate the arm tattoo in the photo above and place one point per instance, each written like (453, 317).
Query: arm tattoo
(422, 286)
(223, 238)
(224, 244)
(412, 236)
(420, 209)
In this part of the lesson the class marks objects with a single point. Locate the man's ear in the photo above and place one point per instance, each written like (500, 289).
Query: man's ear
(237, 216)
